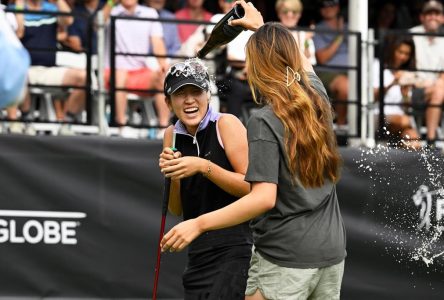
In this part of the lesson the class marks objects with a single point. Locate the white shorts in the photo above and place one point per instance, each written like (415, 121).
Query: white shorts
(46, 75)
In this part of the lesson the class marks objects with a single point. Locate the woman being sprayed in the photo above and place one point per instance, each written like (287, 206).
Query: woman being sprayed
(299, 236)
(207, 173)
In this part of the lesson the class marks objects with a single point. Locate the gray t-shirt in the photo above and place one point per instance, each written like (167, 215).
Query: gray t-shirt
(305, 228)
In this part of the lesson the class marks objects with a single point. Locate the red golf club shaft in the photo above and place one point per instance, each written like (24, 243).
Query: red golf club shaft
(166, 196)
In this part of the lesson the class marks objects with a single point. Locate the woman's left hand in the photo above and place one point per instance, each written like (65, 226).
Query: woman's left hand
(181, 236)
(183, 167)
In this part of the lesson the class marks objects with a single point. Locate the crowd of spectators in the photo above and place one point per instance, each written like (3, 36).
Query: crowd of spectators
(319, 27)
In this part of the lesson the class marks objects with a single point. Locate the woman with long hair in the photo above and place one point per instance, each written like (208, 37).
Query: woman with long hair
(399, 64)
(294, 164)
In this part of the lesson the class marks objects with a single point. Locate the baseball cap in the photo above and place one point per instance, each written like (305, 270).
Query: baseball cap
(432, 6)
(192, 71)
(328, 3)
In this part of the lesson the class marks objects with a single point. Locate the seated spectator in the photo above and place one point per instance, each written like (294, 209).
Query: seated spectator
(430, 56)
(77, 39)
(132, 72)
(399, 58)
(170, 31)
(192, 11)
(41, 32)
(289, 12)
(332, 50)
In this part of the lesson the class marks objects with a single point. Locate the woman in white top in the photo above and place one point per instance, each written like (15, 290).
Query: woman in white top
(289, 13)
(398, 81)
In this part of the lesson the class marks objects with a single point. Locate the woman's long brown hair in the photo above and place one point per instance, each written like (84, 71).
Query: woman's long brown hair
(310, 142)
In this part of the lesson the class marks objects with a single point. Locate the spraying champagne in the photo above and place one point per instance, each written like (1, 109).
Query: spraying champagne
(223, 33)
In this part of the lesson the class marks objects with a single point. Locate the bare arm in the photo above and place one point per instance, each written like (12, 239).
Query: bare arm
(20, 32)
(174, 204)
(325, 54)
(64, 7)
(234, 139)
(74, 43)
(261, 199)
(107, 9)
(252, 19)
(160, 49)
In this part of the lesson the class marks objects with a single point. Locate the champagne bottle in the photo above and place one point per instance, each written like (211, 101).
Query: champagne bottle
(223, 33)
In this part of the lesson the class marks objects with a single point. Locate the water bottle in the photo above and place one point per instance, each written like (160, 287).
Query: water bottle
(223, 33)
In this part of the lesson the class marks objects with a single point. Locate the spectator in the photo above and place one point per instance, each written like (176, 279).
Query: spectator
(132, 72)
(385, 18)
(170, 31)
(289, 12)
(430, 56)
(231, 64)
(78, 39)
(332, 50)
(192, 11)
(398, 81)
(41, 33)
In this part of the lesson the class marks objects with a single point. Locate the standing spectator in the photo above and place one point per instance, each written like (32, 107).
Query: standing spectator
(289, 12)
(430, 56)
(192, 11)
(332, 50)
(170, 32)
(399, 58)
(132, 72)
(41, 32)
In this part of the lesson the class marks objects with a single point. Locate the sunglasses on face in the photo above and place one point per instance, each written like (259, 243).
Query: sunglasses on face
(287, 11)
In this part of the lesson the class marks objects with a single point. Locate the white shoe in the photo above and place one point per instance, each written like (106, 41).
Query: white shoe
(30, 130)
(160, 134)
(65, 129)
(16, 128)
(128, 132)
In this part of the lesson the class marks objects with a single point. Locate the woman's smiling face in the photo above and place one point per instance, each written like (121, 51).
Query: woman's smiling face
(190, 104)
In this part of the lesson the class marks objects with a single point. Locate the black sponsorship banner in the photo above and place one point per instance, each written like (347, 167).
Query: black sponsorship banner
(80, 218)
(384, 204)
(110, 192)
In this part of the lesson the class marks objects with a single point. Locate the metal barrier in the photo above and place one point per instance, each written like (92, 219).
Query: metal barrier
(91, 112)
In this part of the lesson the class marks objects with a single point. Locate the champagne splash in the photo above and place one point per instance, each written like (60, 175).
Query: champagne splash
(411, 206)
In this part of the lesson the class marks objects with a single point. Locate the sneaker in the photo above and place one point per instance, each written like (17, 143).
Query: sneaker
(30, 130)
(160, 133)
(65, 129)
(128, 132)
(16, 128)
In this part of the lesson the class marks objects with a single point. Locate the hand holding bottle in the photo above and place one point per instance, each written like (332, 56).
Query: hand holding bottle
(252, 19)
